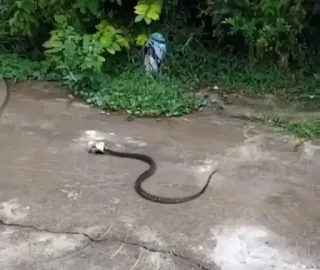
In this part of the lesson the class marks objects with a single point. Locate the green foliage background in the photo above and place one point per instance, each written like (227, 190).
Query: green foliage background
(94, 48)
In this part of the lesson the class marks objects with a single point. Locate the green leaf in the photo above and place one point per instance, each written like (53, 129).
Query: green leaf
(116, 47)
(27, 6)
(153, 15)
(122, 41)
(86, 42)
(111, 29)
(147, 20)
(101, 58)
(93, 6)
(54, 50)
(60, 19)
(19, 4)
(111, 50)
(42, 4)
(52, 44)
(106, 40)
(139, 18)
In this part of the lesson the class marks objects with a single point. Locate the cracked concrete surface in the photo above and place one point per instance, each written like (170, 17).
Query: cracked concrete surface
(61, 208)
(72, 245)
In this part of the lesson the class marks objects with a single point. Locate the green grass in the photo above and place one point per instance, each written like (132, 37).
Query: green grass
(302, 129)
(124, 87)
(121, 89)
(256, 79)
(307, 130)
(131, 91)
(16, 68)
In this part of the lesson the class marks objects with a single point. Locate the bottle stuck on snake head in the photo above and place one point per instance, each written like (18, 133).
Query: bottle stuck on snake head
(99, 148)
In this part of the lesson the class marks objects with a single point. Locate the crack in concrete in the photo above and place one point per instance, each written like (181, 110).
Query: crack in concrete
(92, 240)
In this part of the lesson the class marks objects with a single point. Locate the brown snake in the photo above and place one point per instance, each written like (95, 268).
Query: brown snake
(143, 176)
(147, 174)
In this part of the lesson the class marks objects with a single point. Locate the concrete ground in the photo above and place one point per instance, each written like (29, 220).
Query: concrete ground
(61, 208)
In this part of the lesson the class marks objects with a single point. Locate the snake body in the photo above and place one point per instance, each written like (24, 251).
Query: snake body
(143, 176)
(6, 100)
(148, 173)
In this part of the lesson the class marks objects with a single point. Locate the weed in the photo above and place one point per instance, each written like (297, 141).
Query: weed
(17, 69)
(125, 88)
(130, 91)
(306, 130)
(302, 129)
(246, 76)
(139, 95)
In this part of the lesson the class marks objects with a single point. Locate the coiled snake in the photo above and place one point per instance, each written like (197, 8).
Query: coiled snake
(147, 174)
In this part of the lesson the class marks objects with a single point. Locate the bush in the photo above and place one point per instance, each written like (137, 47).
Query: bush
(270, 28)
(274, 29)
(79, 42)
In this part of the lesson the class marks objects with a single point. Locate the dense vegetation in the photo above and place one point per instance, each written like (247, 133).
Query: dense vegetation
(94, 48)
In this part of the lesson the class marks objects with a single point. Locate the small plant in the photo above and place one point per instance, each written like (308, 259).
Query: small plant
(16, 68)
(79, 58)
(308, 130)
(302, 129)
(139, 95)
(93, 46)
(270, 28)
(148, 10)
